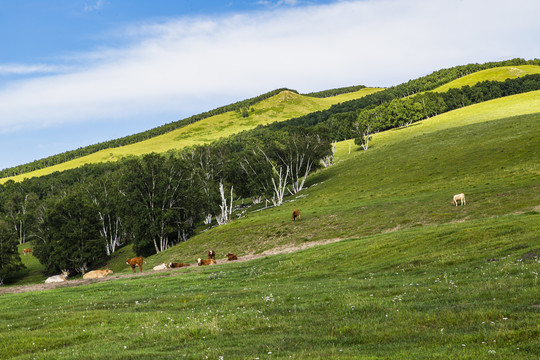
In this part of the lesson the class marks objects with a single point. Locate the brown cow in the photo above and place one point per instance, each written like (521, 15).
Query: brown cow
(96, 274)
(178, 265)
(202, 262)
(27, 251)
(232, 257)
(212, 254)
(296, 215)
(134, 262)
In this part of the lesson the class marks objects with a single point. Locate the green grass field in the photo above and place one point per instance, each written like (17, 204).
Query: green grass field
(426, 292)
(280, 107)
(413, 277)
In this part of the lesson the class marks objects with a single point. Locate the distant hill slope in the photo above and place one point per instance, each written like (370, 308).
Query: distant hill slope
(316, 103)
(280, 107)
(495, 74)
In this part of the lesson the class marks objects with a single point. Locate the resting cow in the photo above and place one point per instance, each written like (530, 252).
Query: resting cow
(58, 278)
(212, 254)
(232, 257)
(202, 262)
(177, 265)
(458, 197)
(296, 215)
(160, 267)
(96, 274)
(134, 262)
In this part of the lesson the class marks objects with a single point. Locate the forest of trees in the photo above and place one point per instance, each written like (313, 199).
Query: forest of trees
(78, 218)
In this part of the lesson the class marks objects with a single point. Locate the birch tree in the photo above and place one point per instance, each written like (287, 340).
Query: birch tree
(300, 153)
(105, 195)
(157, 197)
(226, 208)
(20, 208)
(72, 240)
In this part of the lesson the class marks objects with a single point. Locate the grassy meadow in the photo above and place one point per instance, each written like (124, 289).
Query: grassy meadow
(425, 292)
(412, 277)
(280, 107)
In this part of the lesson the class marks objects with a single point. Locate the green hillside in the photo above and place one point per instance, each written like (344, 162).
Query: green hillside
(280, 107)
(412, 278)
(495, 74)
(406, 179)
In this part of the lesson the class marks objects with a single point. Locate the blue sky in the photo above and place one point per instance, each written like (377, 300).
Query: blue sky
(74, 72)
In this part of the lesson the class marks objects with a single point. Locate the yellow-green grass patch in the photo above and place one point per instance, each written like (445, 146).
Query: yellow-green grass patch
(281, 107)
(496, 74)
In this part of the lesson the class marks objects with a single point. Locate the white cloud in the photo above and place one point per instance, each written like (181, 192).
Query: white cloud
(187, 66)
(97, 6)
(23, 69)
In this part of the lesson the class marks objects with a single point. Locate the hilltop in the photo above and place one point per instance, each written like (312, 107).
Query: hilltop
(280, 107)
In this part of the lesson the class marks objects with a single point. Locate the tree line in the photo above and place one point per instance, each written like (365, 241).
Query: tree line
(78, 218)
(346, 122)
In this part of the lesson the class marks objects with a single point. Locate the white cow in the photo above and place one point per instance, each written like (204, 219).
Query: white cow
(160, 267)
(458, 197)
(58, 278)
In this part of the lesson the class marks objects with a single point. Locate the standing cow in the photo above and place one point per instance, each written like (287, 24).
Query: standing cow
(458, 197)
(134, 262)
(296, 215)
(212, 254)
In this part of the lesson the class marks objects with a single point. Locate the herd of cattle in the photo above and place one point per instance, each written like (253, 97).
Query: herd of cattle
(138, 261)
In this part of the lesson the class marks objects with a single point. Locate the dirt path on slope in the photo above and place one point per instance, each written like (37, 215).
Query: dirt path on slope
(285, 249)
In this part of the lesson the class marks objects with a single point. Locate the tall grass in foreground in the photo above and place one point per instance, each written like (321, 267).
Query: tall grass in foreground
(426, 293)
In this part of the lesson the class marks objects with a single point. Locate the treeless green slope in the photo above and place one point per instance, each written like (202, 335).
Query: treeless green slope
(494, 74)
(283, 106)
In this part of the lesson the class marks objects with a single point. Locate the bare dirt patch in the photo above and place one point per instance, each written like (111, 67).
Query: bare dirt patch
(284, 249)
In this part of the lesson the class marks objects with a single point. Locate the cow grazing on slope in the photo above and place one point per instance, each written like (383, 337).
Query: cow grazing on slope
(458, 197)
(58, 278)
(160, 267)
(27, 251)
(177, 265)
(134, 262)
(232, 257)
(296, 215)
(202, 262)
(96, 274)
(212, 254)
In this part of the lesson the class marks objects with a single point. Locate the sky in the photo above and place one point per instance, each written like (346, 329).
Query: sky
(78, 72)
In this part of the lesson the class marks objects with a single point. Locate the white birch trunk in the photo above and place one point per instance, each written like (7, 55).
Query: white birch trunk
(279, 190)
(226, 209)
(329, 160)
